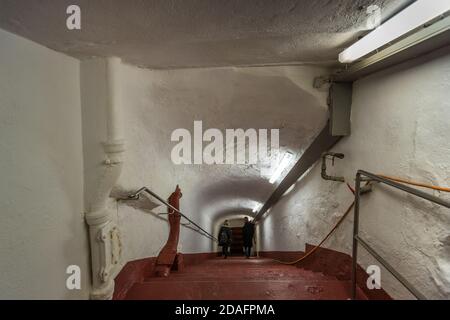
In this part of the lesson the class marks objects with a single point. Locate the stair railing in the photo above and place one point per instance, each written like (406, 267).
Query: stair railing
(367, 176)
(135, 196)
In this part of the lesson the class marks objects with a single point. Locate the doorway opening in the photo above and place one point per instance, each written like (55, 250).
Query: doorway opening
(236, 222)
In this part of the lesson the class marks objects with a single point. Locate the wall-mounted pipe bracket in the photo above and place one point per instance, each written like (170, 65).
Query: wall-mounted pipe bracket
(324, 174)
(340, 105)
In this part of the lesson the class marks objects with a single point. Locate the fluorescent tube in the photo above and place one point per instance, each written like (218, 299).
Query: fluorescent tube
(415, 15)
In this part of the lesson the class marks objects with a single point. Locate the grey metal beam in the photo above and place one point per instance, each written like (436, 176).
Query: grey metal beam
(323, 142)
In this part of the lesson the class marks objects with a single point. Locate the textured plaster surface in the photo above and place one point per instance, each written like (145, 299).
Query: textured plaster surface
(196, 33)
(157, 102)
(42, 229)
(400, 127)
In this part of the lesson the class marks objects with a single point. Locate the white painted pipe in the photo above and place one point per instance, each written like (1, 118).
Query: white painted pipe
(114, 96)
(104, 232)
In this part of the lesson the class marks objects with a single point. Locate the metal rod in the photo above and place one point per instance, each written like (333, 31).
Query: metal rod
(324, 174)
(357, 239)
(145, 189)
(355, 234)
(406, 188)
(391, 269)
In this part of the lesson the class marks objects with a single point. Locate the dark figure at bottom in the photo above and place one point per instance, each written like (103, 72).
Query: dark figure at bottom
(225, 238)
(248, 231)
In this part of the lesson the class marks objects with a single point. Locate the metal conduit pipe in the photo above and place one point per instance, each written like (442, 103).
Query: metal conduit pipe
(324, 174)
(104, 233)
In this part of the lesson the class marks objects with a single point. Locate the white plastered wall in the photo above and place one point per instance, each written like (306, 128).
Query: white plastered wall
(42, 228)
(400, 127)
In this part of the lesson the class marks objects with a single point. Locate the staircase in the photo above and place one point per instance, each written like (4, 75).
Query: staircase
(237, 278)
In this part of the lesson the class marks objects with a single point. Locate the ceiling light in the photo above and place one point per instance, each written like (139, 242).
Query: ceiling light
(284, 163)
(414, 16)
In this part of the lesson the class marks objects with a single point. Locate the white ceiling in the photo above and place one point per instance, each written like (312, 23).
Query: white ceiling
(196, 33)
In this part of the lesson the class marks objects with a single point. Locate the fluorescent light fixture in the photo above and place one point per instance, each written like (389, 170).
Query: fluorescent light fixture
(285, 161)
(414, 16)
(256, 208)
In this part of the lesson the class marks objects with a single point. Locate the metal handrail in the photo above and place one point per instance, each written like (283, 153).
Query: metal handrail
(357, 239)
(135, 196)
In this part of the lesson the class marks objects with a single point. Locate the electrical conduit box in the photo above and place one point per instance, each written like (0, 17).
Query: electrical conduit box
(340, 102)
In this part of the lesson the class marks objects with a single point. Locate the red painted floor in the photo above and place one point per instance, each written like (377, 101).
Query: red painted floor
(238, 278)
